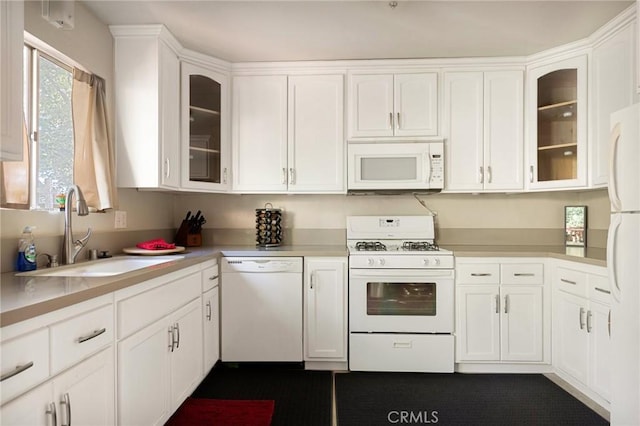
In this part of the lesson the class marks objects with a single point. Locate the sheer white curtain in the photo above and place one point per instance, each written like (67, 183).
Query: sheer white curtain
(94, 156)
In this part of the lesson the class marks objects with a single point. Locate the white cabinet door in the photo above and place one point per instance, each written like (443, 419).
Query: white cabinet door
(503, 130)
(521, 323)
(186, 358)
(478, 323)
(211, 328)
(571, 343)
(85, 394)
(416, 104)
(260, 133)
(612, 83)
(325, 297)
(34, 408)
(144, 376)
(316, 135)
(11, 113)
(598, 323)
(483, 115)
(204, 129)
(557, 122)
(371, 97)
(463, 130)
(383, 105)
(147, 82)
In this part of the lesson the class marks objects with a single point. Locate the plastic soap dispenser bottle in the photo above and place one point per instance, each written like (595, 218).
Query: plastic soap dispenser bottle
(26, 251)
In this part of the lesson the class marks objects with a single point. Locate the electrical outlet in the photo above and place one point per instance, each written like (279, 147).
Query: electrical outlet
(121, 219)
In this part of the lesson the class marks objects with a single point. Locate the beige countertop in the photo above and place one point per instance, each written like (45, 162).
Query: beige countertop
(24, 297)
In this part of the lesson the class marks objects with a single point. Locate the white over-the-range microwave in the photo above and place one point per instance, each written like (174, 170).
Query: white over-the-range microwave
(395, 166)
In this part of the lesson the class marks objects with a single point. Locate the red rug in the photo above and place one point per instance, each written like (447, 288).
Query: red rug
(223, 412)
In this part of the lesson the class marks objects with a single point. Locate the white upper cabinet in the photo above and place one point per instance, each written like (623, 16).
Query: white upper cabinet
(393, 105)
(557, 123)
(483, 129)
(205, 130)
(147, 96)
(288, 134)
(11, 45)
(637, 30)
(612, 83)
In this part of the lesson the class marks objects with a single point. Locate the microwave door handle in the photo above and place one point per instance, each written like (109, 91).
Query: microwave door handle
(427, 167)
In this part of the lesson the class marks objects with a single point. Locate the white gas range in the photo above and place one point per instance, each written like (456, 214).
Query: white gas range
(401, 295)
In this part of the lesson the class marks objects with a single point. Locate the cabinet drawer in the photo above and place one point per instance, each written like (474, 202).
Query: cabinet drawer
(488, 273)
(210, 278)
(599, 289)
(27, 358)
(522, 273)
(401, 352)
(78, 337)
(145, 308)
(571, 281)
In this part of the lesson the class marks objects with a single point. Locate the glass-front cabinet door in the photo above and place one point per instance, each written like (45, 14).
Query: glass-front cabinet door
(558, 126)
(205, 133)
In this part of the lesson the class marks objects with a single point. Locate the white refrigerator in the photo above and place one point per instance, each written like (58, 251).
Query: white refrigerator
(623, 263)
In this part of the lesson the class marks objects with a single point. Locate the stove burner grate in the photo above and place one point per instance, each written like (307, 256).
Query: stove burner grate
(370, 246)
(419, 246)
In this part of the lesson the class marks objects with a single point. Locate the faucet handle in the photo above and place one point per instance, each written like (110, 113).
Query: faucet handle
(83, 241)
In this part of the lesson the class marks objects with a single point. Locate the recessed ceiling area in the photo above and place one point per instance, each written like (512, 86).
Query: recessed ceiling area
(248, 31)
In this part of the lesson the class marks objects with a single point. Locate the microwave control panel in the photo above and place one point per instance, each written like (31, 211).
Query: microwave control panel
(436, 156)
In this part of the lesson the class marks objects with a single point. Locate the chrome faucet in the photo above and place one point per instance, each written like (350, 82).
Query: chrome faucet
(70, 248)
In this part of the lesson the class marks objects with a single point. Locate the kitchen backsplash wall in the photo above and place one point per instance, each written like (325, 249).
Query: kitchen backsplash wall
(533, 215)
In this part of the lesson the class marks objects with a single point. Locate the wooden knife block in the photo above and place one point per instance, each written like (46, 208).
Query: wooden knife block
(186, 239)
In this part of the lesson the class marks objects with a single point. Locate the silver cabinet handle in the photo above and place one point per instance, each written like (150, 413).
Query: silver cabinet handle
(213, 277)
(602, 290)
(609, 323)
(506, 304)
(391, 120)
(66, 401)
(481, 174)
(224, 175)
(177, 328)
(208, 311)
(589, 315)
(497, 303)
(52, 412)
(292, 176)
(19, 369)
(93, 335)
(581, 315)
(311, 281)
(171, 339)
(488, 174)
(564, 280)
(524, 274)
(167, 167)
(531, 174)
(398, 119)
(480, 274)
(284, 175)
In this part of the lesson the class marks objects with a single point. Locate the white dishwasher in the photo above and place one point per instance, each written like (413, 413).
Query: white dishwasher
(261, 308)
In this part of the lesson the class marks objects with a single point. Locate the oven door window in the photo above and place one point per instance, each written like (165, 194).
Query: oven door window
(384, 298)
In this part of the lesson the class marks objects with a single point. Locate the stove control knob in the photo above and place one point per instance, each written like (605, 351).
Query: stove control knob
(437, 261)
(370, 261)
(425, 262)
(381, 262)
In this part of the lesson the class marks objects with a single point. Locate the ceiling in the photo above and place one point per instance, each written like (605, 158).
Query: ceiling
(242, 31)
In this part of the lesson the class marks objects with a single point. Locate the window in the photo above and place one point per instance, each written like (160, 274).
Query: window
(48, 116)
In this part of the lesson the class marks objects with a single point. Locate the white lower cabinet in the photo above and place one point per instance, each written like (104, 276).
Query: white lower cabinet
(499, 312)
(160, 364)
(77, 342)
(210, 314)
(581, 328)
(325, 310)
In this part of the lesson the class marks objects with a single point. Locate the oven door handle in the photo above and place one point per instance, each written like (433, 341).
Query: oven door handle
(401, 273)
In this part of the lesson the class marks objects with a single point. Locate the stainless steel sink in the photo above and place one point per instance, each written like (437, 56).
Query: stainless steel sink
(104, 267)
